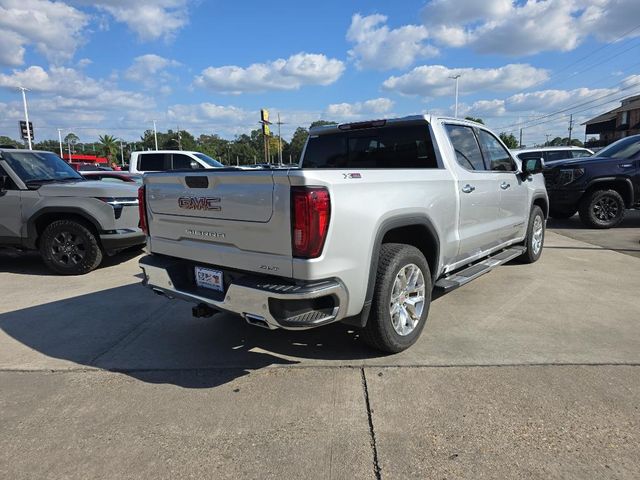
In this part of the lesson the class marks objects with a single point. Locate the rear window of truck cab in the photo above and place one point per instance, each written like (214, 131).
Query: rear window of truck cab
(407, 146)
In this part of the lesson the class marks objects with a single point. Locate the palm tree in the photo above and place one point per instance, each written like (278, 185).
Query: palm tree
(108, 146)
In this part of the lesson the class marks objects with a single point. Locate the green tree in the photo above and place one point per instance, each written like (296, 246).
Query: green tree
(4, 140)
(48, 146)
(509, 140)
(108, 146)
(477, 120)
(297, 143)
(71, 139)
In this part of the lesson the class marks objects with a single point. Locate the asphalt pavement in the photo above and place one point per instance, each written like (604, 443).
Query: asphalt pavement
(531, 371)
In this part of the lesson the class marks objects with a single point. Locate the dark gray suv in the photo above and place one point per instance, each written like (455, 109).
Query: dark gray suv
(73, 222)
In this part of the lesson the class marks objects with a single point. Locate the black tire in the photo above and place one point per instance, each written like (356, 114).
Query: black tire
(69, 248)
(380, 332)
(562, 214)
(602, 209)
(535, 240)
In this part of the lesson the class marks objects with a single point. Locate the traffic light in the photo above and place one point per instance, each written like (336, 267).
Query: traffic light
(23, 130)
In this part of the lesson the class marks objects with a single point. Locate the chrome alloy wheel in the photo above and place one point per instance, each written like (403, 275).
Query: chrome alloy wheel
(538, 232)
(407, 299)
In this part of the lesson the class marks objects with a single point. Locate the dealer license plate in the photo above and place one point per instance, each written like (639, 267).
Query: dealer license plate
(208, 278)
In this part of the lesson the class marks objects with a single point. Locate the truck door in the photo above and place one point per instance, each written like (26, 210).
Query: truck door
(10, 212)
(479, 192)
(514, 205)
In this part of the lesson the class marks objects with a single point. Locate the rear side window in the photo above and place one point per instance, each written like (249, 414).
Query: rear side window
(466, 146)
(558, 155)
(151, 161)
(183, 161)
(580, 153)
(406, 146)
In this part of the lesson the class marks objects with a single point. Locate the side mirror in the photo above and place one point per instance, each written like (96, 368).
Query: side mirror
(194, 165)
(3, 185)
(531, 166)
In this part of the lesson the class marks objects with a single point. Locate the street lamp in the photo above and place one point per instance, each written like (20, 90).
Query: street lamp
(155, 134)
(456, 78)
(60, 141)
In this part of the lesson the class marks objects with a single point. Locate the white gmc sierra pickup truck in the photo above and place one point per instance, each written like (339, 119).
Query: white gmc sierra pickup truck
(377, 215)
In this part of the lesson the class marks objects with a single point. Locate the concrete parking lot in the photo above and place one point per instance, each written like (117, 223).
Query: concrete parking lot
(528, 372)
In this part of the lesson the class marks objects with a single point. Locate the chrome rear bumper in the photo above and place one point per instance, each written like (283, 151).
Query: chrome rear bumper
(281, 304)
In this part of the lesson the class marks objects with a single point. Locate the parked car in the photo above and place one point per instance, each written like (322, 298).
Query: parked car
(113, 176)
(162, 160)
(552, 155)
(600, 188)
(90, 167)
(378, 214)
(46, 205)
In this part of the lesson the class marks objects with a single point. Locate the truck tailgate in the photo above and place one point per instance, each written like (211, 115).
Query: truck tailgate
(238, 219)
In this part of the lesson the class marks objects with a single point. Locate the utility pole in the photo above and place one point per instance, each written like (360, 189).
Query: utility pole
(279, 141)
(155, 134)
(121, 153)
(179, 139)
(570, 127)
(60, 141)
(546, 144)
(26, 114)
(520, 138)
(456, 78)
(69, 149)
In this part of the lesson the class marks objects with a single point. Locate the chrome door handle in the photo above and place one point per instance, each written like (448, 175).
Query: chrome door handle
(468, 188)
(505, 185)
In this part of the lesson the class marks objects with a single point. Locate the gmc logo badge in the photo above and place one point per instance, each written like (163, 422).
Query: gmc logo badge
(200, 203)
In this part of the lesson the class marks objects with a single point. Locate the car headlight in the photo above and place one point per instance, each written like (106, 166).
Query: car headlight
(119, 203)
(569, 175)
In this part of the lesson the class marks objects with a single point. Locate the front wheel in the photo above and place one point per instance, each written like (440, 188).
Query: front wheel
(535, 236)
(401, 299)
(602, 209)
(69, 248)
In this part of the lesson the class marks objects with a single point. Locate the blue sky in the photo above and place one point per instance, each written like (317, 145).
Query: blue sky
(114, 66)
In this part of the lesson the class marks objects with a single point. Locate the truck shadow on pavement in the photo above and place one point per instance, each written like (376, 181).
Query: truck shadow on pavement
(127, 329)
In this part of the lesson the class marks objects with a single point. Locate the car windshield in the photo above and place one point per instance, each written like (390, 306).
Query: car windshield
(40, 167)
(208, 160)
(625, 148)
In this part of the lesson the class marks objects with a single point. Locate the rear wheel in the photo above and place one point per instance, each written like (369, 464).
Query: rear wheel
(602, 209)
(401, 299)
(69, 248)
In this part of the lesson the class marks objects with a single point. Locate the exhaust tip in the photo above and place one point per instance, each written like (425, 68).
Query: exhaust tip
(257, 321)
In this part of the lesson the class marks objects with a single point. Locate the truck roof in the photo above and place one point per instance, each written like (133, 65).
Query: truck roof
(410, 119)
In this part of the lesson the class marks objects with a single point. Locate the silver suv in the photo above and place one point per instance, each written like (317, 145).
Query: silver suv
(46, 205)
(378, 214)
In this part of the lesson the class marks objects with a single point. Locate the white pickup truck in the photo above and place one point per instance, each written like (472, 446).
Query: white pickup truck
(377, 215)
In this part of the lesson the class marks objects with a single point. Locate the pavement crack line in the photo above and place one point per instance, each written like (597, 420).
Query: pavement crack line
(374, 447)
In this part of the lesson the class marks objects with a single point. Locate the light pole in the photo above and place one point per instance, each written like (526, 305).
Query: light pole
(60, 141)
(456, 78)
(26, 114)
(121, 153)
(155, 134)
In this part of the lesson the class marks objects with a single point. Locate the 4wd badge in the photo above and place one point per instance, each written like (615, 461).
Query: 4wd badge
(200, 203)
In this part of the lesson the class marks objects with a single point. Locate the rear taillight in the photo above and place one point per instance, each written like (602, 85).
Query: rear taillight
(310, 215)
(142, 209)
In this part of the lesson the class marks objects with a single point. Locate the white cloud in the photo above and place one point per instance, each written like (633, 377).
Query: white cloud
(54, 28)
(149, 19)
(66, 88)
(380, 48)
(290, 74)
(375, 106)
(435, 81)
(530, 27)
(149, 69)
